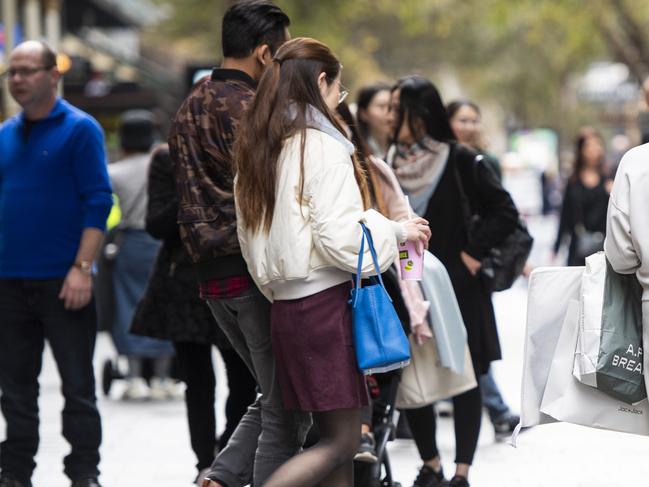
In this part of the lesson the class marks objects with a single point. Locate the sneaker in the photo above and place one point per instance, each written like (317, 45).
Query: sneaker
(429, 478)
(7, 482)
(136, 389)
(504, 427)
(367, 450)
(458, 481)
(163, 389)
(89, 482)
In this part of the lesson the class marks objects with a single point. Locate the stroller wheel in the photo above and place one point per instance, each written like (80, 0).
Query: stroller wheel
(107, 375)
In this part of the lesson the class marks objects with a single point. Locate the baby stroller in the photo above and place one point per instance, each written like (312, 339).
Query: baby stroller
(385, 418)
(385, 415)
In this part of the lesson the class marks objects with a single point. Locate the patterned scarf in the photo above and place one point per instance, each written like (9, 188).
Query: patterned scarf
(419, 168)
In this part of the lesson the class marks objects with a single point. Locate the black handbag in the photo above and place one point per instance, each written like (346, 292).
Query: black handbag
(505, 262)
(588, 243)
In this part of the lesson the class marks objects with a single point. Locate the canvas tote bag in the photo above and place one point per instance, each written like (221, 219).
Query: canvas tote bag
(426, 380)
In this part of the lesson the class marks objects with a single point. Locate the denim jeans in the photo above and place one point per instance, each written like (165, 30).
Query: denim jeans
(32, 313)
(267, 435)
(492, 399)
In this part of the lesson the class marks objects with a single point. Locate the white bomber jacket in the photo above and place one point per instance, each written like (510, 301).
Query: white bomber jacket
(627, 226)
(314, 245)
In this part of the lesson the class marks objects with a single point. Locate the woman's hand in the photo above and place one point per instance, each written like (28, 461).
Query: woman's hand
(417, 230)
(472, 264)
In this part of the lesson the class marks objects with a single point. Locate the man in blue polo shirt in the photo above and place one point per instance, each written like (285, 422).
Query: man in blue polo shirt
(55, 197)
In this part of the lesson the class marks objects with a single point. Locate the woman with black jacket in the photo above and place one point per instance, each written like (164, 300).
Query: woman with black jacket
(585, 202)
(171, 309)
(434, 171)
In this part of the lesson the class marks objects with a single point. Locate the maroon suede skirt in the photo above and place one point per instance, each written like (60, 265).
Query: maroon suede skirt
(314, 352)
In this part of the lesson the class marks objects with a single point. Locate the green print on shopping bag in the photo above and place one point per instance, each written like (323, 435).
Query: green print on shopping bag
(619, 365)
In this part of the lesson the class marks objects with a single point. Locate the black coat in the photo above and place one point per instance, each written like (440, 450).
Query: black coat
(581, 206)
(171, 307)
(450, 236)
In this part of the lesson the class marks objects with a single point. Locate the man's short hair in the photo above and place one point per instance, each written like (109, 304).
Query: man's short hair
(251, 23)
(49, 55)
(136, 130)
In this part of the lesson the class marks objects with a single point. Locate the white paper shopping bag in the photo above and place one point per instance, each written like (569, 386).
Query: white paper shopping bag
(550, 291)
(591, 303)
(566, 399)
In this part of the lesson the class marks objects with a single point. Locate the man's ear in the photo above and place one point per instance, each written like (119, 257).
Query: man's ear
(263, 54)
(56, 75)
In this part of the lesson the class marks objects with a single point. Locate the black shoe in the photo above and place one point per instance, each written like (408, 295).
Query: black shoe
(7, 482)
(367, 450)
(505, 427)
(89, 482)
(429, 478)
(458, 481)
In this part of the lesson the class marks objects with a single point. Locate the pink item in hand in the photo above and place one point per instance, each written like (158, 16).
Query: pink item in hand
(411, 259)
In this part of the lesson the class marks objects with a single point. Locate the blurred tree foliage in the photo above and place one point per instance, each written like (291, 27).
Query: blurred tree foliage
(520, 54)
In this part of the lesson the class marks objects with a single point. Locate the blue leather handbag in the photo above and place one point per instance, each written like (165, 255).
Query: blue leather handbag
(380, 342)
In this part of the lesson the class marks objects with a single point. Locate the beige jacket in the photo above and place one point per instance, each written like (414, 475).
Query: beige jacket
(314, 244)
(627, 230)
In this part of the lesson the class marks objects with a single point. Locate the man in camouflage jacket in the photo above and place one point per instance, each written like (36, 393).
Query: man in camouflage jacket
(200, 144)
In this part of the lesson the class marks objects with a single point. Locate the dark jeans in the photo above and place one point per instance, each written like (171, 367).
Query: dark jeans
(197, 370)
(32, 313)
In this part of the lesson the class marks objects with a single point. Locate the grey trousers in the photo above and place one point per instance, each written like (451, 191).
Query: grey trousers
(267, 435)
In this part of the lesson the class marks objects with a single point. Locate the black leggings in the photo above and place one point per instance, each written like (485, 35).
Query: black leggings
(197, 371)
(467, 416)
(330, 462)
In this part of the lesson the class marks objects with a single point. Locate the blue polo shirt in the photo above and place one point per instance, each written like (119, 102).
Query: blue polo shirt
(53, 184)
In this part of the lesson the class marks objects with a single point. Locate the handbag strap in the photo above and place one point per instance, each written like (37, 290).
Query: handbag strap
(359, 267)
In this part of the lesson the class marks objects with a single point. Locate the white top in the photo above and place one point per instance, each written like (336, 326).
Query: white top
(314, 244)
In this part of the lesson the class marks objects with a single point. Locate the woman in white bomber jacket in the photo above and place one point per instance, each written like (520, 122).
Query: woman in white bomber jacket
(300, 195)
(627, 226)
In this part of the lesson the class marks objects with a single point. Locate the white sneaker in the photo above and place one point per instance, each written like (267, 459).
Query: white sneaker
(136, 389)
(158, 389)
(166, 388)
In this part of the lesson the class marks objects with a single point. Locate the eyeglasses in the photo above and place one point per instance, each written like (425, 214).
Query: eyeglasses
(25, 72)
(343, 93)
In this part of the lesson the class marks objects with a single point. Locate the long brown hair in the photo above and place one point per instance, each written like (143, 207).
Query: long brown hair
(583, 137)
(291, 82)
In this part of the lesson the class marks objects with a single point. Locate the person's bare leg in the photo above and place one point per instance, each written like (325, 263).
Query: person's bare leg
(329, 462)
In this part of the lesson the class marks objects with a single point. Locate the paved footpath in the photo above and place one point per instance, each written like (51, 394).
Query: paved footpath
(147, 444)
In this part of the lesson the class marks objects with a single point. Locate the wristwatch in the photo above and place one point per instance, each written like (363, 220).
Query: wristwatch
(84, 266)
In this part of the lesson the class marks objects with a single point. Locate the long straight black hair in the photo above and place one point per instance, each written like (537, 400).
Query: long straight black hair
(421, 104)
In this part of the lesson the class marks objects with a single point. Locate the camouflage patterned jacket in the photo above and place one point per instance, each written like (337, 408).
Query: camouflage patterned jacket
(200, 142)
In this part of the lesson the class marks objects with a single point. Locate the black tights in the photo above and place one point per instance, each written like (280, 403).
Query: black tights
(467, 416)
(330, 462)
